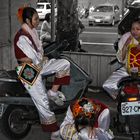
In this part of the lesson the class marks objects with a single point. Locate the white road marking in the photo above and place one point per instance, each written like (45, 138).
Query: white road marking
(100, 33)
(97, 43)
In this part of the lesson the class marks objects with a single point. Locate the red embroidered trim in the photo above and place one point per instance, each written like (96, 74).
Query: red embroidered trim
(62, 81)
(50, 127)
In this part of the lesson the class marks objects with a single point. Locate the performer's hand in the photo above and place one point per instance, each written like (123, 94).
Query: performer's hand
(25, 60)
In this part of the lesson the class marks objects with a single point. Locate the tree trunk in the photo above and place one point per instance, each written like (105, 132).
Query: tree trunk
(67, 23)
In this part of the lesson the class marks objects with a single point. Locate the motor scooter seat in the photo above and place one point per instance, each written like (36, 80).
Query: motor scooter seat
(11, 74)
(128, 79)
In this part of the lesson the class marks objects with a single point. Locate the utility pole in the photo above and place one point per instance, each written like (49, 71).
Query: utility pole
(67, 22)
(52, 20)
(10, 22)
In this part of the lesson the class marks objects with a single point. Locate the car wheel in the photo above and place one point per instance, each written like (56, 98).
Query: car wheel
(90, 23)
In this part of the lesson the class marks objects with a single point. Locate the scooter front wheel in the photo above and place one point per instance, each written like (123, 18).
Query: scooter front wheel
(13, 126)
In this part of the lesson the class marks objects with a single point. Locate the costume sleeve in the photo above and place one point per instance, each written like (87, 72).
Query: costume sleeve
(121, 44)
(104, 119)
(67, 128)
(103, 131)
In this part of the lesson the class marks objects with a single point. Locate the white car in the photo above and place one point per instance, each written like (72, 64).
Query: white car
(104, 14)
(44, 8)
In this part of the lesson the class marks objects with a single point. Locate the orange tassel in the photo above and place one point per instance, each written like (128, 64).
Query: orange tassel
(20, 12)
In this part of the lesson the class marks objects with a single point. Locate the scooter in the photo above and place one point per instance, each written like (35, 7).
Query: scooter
(127, 119)
(128, 107)
(18, 112)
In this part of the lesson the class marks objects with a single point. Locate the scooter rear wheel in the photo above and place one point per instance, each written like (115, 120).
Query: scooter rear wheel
(13, 126)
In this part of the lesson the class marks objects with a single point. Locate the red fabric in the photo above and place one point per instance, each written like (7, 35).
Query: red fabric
(50, 128)
(62, 81)
(131, 89)
(18, 52)
(135, 57)
(103, 106)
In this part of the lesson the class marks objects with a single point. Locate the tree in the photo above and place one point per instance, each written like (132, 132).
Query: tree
(67, 23)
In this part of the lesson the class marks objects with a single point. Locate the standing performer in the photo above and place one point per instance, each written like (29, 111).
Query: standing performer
(32, 65)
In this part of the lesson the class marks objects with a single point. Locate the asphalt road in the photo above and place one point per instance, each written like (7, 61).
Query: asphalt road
(97, 39)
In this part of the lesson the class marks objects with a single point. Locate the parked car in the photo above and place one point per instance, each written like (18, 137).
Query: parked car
(104, 14)
(44, 8)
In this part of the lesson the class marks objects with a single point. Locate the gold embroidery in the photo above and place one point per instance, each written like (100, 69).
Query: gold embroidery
(28, 73)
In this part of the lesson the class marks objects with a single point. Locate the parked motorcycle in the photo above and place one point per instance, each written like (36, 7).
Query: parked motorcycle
(127, 119)
(128, 107)
(18, 112)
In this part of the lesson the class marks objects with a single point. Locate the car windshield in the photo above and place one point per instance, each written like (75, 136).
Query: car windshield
(103, 9)
(40, 6)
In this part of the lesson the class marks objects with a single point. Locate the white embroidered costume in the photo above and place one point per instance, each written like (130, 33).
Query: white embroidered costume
(110, 84)
(27, 44)
(100, 131)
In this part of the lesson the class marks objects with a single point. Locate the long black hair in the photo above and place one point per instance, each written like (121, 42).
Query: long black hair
(28, 13)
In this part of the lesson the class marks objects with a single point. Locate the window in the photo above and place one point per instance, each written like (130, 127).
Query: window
(40, 6)
(48, 6)
(104, 9)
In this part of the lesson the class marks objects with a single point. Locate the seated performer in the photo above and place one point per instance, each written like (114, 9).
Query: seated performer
(128, 55)
(86, 119)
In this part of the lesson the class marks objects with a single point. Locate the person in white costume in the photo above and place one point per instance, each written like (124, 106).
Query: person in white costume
(128, 40)
(45, 32)
(86, 119)
(32, 65)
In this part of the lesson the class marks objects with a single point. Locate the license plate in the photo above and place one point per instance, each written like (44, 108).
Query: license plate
(97, 20)
(130, 108)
